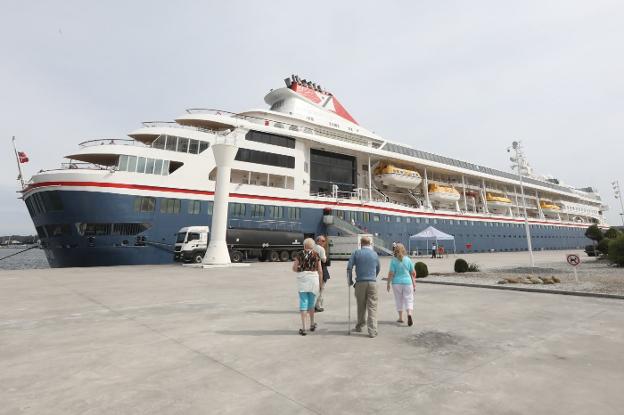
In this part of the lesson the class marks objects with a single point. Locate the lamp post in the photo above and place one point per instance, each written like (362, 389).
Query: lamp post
(618, 195)
(520, 166)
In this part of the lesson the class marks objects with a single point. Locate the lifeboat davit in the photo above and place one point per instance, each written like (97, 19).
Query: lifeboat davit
(494, 200)
(390, 175)
(443, 194)
(549, 207)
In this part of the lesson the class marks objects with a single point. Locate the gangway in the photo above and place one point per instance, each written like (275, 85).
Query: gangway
(350, 229)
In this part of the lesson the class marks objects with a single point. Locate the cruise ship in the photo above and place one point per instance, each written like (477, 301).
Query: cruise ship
(304, 164)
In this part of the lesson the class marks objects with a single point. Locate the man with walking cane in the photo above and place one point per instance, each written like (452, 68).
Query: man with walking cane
(367, 268)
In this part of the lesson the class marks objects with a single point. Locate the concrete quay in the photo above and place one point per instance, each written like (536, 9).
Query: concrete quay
(179, 340)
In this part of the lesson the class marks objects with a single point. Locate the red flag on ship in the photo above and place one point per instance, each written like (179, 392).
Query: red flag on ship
(23, 158)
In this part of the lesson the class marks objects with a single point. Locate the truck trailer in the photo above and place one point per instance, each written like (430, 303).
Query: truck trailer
(243, 244)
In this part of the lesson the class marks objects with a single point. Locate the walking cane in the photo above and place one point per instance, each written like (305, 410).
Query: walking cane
(349, 309)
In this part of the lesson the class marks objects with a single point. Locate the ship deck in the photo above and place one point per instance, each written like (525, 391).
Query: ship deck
(179, 340)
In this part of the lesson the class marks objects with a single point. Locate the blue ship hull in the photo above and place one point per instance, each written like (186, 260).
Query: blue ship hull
(125, 236)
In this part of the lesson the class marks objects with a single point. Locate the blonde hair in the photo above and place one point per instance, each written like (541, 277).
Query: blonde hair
(308, 243)
(400, 251)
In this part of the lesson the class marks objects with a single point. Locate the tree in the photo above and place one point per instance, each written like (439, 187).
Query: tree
(616, 251)
(594, 233)
(612, 233)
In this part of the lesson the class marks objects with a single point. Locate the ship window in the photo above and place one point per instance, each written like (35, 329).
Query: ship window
(376, 218)
(159, 143)
(183, 145)
(398, 219)
(149, 166)
(170, 206)
(140, 165)
(57, 230)
(165, 168)
(193, 146)
(263, 157)
(237, 209)
(408, 220)
(122, 164)
(366, 217)
(172, 142)
(209, 208)
(148, 204)
(294, 213)
(276, 212)
(257, 211)
(203, 145)
(95, 229)
(130, 228)
(132, 163)
(194, 207)
(273, 139)
(158, 166)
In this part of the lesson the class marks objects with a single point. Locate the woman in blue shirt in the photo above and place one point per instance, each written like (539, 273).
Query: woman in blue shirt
(402, 277)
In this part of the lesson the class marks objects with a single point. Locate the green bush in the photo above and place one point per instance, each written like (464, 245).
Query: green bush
(603, 246)
(616, 251)
(594, 233)
(473, 268)
(612, 233)
(461, 265)
(421, 270)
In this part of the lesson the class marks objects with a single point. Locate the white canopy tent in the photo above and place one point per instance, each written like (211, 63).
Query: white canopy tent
(431, 234)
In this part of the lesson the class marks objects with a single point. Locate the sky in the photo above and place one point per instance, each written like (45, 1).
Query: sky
(457, 78)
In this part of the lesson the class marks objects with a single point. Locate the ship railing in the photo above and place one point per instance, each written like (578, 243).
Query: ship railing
(111, 141)
(173, 124)
(78, 166)
(269, 122)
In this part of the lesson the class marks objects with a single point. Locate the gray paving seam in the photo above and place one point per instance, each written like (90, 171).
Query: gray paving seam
(181, 344)
(528, 290)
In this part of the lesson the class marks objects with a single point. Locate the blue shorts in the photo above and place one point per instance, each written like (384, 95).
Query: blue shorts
(307, 301)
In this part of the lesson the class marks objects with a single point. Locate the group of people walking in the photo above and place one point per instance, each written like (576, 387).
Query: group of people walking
(312, 275)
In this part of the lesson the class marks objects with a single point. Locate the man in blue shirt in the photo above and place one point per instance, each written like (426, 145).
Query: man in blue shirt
(367, 268)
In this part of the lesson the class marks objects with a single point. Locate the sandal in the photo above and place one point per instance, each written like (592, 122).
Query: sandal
(409, 321)
(399, 321)
(313, 327)
(302, 332)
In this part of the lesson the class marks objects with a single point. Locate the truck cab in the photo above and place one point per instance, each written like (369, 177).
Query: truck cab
(191, 244)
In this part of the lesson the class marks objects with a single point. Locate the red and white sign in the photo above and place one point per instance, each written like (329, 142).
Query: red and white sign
(573, 260)
(23, 158)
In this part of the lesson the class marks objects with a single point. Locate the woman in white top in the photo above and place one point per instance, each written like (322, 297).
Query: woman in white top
(307, 265)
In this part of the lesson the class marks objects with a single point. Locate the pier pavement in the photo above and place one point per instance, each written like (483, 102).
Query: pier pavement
(175, 340)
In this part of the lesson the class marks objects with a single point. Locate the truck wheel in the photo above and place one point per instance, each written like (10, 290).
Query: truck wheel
(273, 256)
(198, 258)
(293, 255)
(284, 256)
(236, 256)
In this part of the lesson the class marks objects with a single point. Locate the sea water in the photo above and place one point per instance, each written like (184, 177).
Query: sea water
(33, 258)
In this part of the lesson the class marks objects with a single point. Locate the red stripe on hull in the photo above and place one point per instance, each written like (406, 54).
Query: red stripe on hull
(283, 199)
